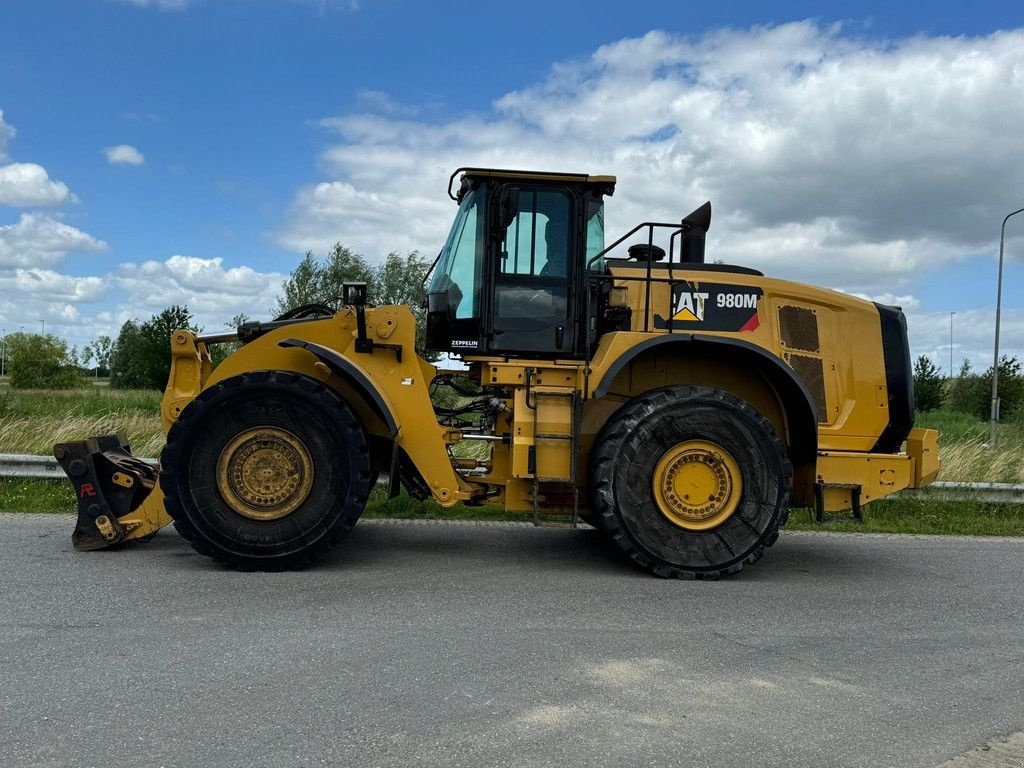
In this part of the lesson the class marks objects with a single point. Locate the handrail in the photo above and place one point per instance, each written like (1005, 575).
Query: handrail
(594, 278)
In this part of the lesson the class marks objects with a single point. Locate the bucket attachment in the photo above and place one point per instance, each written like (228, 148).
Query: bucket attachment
(114, 490)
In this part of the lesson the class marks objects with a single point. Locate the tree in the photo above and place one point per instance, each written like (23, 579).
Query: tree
(126, 368)
(141, 356)
(399, 280)
(396, 280)
(928, 383)
(972, 392)
(42, 362)
(1011, 388)
(302, 286)
(99, 353)
(5, 353)
(313, 282)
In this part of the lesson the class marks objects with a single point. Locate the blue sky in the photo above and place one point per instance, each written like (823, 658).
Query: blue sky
(189, 151)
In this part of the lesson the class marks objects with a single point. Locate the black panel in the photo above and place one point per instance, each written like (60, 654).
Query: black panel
(898, 379)
(798, 328)
(812, 371)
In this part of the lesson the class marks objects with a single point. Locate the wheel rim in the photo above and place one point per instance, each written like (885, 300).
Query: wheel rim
(265, 473)
(697, 485)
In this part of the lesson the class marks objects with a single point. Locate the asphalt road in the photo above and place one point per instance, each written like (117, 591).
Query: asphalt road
(494, 645)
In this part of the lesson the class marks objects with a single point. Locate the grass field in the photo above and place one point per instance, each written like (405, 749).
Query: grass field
(963, 447)
(31, 422)
(900, 515)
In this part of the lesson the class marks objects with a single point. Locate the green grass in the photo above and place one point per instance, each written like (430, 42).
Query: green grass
(959, 427)
(57, 497)
(963, 447)
(93, 401)
(405, 507)
(31, 421)
(22, 495)
(901, 515)
(923, 515)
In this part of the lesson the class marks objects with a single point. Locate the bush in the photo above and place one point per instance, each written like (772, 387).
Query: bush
(42, 362)
(928, 394)
(972, 392)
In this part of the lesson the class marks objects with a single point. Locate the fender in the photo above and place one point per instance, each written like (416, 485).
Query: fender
(354, 375)
(799, 407)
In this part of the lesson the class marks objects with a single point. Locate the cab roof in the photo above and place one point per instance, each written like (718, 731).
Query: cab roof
(606, 184)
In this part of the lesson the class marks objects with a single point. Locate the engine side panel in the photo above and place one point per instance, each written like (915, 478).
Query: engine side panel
(831, 341)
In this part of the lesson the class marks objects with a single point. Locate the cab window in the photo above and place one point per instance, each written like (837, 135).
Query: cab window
(459, 271)
(537, 241)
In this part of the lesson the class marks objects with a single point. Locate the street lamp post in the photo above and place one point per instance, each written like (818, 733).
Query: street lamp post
(999, 304)
(951, 344)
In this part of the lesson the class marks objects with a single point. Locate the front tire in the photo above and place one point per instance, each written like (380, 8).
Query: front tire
(266, 470)
(690, 482)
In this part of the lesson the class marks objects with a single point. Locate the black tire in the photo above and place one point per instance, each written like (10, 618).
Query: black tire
(623, 464)
(327, 434)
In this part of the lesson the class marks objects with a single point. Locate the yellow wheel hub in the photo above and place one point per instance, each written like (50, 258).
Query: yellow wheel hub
(697, 485)
(265, 473)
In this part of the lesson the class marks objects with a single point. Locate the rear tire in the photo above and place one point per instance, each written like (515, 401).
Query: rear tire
(265, 471)
(668, 443)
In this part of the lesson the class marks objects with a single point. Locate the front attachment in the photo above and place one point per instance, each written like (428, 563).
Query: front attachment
(112, 488)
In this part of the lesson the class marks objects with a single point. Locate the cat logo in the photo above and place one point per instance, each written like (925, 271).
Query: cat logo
(690, 306)
(711, 307)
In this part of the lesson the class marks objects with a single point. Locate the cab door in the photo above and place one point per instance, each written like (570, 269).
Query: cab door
(533, 306)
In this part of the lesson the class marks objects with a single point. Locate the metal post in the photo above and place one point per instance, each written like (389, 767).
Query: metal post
(995, 362)
(3, 352)
(951, 344)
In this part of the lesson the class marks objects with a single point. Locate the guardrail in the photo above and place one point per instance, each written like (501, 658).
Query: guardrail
(997, 493)
(24, 465)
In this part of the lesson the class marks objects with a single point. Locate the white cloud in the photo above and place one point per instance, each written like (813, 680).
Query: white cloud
(81, 308)
(163, 5)
(973, 336)
(6, 134)
(143, 117)
(24, 184)
(124, 154)
(213, 293)
(41, 241)
(49, 286)
(322, 6)
(847, 162)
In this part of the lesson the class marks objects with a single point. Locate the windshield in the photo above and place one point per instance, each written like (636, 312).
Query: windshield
(459, 270)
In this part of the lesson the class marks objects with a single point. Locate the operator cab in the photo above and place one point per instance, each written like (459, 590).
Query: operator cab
(510, 279)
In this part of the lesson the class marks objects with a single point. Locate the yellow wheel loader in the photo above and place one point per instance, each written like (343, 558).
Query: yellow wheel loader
(682, 407)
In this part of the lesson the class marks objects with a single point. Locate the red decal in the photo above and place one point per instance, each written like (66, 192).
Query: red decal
(752, 324)
(87, 490)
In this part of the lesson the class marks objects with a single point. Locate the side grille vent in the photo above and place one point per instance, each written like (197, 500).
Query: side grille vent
(812, 371)
(798, 328)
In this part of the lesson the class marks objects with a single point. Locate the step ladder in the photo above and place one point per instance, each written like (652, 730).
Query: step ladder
(856, 513)
(533, 398)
